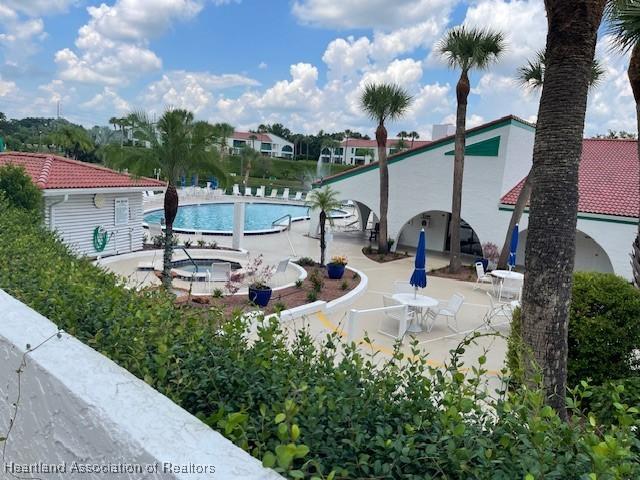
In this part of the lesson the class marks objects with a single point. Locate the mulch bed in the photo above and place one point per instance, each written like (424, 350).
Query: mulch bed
(373, 254)
(466, 273)
(283, 299)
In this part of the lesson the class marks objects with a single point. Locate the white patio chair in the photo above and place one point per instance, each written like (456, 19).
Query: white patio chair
(298, 196)
(219, 272)
(260, 191)
(510, 288)
(449, 310)
(248, 192)
(236, 189)
(393, 311)
(498, 310)
(403, 287)
(285, 194)
(483, 277)
(281, 268)
(274, 193)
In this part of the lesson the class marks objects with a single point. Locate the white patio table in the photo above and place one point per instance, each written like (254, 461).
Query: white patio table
(416, 302)
(501, 275)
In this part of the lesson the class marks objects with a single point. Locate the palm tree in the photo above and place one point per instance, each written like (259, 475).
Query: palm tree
(73, 141)
(465, 49)
(413, 136)
(247, 156)
(324, 200)
(384, 102)
(177, 144)
(550, 249)
(223, 132)
(532, 76)
(624, 24)
(401, 144)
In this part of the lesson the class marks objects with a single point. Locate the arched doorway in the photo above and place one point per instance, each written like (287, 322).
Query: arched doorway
(590, 256)
(436, 225)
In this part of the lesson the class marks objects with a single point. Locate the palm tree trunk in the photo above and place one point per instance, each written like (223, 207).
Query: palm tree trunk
(170, 212)
(381, 138)
(462, 92)
(550, 250)
(516, 215)
(323, 243)
(634, 79)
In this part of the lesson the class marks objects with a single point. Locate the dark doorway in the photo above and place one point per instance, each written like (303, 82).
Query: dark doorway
(469, 241)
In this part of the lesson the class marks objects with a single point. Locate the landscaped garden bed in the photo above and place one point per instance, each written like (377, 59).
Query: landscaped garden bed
(372, 254)
(316, 286)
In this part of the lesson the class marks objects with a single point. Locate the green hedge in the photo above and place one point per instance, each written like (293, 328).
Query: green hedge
(604, 330)
(311, 408)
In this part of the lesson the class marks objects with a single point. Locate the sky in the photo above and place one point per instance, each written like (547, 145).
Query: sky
(303, 63)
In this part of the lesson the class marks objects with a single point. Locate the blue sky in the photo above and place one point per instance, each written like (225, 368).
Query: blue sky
(299, 62)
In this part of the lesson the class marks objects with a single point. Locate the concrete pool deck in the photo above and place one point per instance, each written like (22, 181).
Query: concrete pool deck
(296, 243)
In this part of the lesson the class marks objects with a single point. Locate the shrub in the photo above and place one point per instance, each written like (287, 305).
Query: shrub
(299, 283)
(188, 243)
(310, 406)
(16, 186)
(306, 262)
(608, 401)
(344, 285)
(315, 278)
(201, 243)
(217, 293)
(491, 251)
(312, 296)
(604, 330)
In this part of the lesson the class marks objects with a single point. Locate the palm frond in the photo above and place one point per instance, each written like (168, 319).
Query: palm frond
(385, 101)
(623, 18)
(323, 199)
(532, 74)
(468, 48)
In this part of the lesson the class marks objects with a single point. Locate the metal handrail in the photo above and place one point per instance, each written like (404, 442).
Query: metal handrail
(190, 259)
(276, 222)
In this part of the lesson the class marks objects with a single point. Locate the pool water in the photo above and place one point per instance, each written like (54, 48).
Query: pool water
(219, 216)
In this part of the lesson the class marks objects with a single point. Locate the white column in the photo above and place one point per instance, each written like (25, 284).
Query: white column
(238, 224)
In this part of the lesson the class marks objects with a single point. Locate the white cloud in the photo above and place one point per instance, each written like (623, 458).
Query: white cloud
(35, 8)
(108, 99)
(6, 87)
(347, 57)
(263, 65)
(191, 90)
(377, 14)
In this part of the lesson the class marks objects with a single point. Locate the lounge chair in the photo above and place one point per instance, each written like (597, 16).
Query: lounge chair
(236, 190)
(285, 194)
(274, 193)
(298, 196)
(248, 192)
(483, 277)
(260, 191)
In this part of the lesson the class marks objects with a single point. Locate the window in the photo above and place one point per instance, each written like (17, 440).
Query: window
(122, 211)
(265, 146)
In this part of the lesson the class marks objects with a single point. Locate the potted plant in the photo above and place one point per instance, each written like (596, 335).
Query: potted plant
(335, 268)
(256, 276)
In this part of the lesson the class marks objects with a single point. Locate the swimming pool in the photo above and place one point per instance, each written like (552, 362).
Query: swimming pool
(218, 217)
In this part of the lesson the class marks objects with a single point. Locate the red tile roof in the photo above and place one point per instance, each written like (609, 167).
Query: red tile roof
(54, 172)
(608, 178)
(260, 137)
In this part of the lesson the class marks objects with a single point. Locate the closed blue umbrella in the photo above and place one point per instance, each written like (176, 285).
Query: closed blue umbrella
(514, 247)
(419, 276)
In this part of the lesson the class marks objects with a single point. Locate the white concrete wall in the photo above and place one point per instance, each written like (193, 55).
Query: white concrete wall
(423, 182)
(436, 231)
(78, 406)
(76, 219)
(607, 249)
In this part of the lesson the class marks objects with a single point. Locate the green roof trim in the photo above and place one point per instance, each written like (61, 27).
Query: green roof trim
(485, 148)
(511, 120)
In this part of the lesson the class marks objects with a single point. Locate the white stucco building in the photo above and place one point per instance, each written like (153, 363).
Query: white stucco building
(498, 157)
(360, 151)
(267, 144)
(95, 210)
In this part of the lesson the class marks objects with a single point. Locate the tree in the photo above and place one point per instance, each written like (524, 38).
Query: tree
(325, 200)
(178, 144)
(466, 49)
(73, 141)
(18, 188)
(550, 249)
(401, 144)
(248, 155)
(384, 102)
(223, 131)
(624, 24)
(413, 136)
(532, 76)
(279, 130)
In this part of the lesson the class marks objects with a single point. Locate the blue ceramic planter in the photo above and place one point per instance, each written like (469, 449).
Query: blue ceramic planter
(260, 296)
(335, 270)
